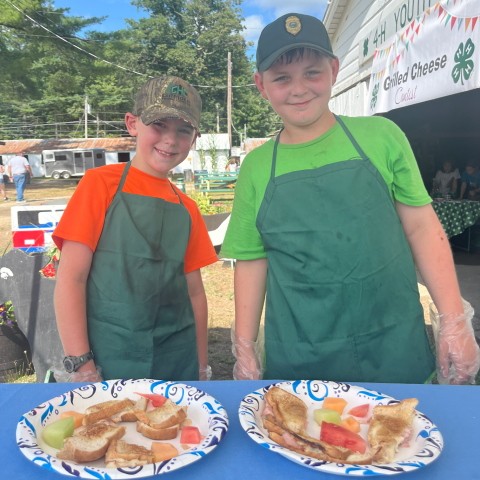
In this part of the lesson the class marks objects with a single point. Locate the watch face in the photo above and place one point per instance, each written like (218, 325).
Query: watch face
(68, 364)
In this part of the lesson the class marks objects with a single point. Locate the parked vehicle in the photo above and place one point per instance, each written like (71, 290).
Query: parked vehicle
(72, 162)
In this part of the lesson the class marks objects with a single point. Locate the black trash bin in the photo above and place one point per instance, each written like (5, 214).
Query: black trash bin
(188, 175)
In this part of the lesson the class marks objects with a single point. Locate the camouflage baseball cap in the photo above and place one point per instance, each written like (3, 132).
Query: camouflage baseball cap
(292, 30)
(168, 97)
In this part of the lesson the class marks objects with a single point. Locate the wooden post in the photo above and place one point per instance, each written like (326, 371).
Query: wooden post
(229, 99)
(218, 119)
(86, 116)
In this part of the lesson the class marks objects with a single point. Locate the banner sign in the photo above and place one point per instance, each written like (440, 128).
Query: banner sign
(436, 55)
(404, 11)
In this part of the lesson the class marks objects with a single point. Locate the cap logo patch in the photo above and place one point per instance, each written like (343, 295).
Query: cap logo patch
(293, 25)
(176, 92)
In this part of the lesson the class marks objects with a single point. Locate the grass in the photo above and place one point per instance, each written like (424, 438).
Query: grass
(23, 373)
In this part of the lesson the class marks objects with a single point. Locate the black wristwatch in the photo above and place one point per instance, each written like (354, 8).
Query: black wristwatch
(72, 364)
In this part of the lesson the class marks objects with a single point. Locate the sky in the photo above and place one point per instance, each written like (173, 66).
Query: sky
(257, 13)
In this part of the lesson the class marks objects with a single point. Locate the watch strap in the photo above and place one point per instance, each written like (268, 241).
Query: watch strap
(80, 360)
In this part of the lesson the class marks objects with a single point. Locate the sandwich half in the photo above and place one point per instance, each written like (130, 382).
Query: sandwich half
(168, 415)
(104, 410)
(390, 428)
(285, 418)
(121, 454)
(91, 443)
(128, 414)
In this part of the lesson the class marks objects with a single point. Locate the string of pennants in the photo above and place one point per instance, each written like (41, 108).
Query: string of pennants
(414, 28)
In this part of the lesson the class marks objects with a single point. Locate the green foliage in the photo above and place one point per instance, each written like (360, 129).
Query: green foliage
(44, 80)
(205, 205)
(7, 315)
(212, 150)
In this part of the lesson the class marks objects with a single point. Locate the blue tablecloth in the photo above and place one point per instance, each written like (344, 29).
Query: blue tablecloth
(454, 409)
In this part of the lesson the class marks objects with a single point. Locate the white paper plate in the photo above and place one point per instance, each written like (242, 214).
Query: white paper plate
(206, 413)
(425, 446)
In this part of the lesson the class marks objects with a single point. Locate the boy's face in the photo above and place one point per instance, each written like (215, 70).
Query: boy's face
(161, 146)
(471, 170)
(447, 167)
(300, 91)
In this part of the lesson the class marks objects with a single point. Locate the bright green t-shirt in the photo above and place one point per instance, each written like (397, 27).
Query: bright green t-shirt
(381, 140)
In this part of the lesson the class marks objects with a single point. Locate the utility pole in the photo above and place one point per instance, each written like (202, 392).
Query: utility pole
(98, 124)
(218, 119)
(245, 131)
(86, 116)
(229, 99)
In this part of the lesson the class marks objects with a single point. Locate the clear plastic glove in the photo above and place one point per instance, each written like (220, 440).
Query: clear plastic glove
(61, 376)
(458, 355)
(249, 355)
(205, 374)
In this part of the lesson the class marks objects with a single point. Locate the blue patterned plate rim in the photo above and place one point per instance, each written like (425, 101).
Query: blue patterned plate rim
(206, 411)
(427, 440)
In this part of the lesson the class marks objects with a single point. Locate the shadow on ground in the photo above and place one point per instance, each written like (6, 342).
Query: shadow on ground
(220, 356)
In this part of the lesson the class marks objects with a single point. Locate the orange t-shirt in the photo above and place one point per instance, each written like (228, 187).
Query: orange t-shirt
(84, 216)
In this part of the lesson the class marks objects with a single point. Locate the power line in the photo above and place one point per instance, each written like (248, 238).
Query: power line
(73, 45)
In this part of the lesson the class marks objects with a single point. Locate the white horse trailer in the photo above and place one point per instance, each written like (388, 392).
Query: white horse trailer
(72, 162)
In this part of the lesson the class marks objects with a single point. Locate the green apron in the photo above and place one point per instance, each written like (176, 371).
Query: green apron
(342, 297)
(139, 315)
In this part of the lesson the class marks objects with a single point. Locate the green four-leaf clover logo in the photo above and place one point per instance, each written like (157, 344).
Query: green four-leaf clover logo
(365, 47)
(374, 96)
(463, 66)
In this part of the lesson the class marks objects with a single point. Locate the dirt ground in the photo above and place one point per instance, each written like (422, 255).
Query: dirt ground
(217, 278)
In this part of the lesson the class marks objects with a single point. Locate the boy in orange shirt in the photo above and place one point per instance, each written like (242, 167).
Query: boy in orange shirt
(129, 290)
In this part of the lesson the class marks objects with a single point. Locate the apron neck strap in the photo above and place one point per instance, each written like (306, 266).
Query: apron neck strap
(175, 192)
(274, 159)
(350, 136)
(124, 176)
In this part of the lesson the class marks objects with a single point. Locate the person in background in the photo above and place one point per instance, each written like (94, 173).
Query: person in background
(18, 166)
(471, 181)
(446, 180)
(232, 166)
(2, 183)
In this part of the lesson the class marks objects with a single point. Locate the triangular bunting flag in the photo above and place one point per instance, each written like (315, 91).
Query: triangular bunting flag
(467, 23)
(403, 35)
(411, 38)
(398, 58)
(474, 23)
(436, 6)
(454, 19)
(440, 10)
(428, 12)
(412, 24)
(460, 23)
(418, 28)
(448, 18)
(445, 13)
(406, 46)
(454, 2)
(406, 33)
(418, 19)
(423, 19)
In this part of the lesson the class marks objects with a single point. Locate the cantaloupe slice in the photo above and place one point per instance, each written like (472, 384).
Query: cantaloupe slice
(351, 424)
(77, 417)
(163, 451)
(337, 404)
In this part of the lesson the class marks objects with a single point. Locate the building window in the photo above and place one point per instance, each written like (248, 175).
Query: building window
(99, 155)
(60, 158)
(87, 154)
(1, 160)
(78, 155)
(49, 156)
(123, 157)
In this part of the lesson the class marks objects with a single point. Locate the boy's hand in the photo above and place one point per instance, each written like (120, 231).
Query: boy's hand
(457, 344)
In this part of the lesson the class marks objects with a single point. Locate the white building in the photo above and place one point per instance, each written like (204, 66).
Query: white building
(415, 63)
(206, 146)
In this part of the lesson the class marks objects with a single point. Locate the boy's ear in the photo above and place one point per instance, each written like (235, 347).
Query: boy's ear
(335, 69)
(131, 123)
(260, 86)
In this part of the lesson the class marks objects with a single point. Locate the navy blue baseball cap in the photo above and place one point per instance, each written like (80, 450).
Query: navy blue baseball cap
(292, 30)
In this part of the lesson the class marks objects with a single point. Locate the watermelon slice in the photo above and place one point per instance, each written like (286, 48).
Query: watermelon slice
(157, 400)
(341, 437)
(360, 411)
(190, 435)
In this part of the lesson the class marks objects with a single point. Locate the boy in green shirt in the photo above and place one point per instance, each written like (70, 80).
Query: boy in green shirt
(335, 207)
